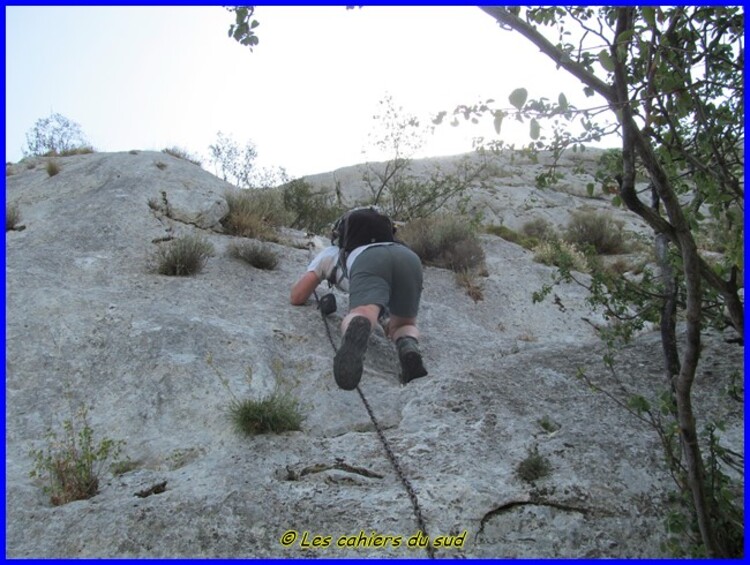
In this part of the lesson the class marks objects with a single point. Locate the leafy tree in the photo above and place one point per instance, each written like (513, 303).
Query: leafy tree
(672, 79)
(404, 192)
(54, 135)
(235, 164)
(314, 211)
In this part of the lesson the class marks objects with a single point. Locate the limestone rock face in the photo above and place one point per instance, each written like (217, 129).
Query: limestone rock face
(158, 361)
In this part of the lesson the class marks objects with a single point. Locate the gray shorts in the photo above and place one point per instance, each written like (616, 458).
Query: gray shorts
(389, 276)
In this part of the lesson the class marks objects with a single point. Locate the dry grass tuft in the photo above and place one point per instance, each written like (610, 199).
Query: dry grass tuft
(259, 255)
(449, 242)
(182, 257)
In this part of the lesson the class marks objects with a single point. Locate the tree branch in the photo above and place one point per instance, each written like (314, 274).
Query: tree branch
(505, 17)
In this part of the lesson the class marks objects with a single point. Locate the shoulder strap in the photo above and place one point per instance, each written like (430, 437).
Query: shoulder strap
(340, 266)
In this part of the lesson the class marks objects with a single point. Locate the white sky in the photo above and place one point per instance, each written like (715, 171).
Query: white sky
(154, 77)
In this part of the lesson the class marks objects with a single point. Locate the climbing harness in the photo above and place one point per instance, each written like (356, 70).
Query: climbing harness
(389, 452)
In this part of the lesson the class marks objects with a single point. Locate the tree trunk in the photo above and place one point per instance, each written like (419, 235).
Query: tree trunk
(668, 320)
(633, 142)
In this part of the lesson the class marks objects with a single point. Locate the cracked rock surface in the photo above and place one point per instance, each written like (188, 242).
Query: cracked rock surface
(87, 323)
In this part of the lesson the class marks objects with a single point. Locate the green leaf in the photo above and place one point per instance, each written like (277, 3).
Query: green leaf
(649, 14)
(534, 129)
(563, 102)
(605, 60)
(639, 404)
(499, 115)
(590, 189)
(625, 37)
(518, 97)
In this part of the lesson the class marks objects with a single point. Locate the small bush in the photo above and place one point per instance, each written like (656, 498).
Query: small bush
(181, 154)
(468, 280)
(258, 255)
(534, 467)
(444, 241)
(71, 465)
(161, 165)
(274, 414)
(548, 424)
(183, 256)
(539, 229)
(311, 211)
(599, 231)
(255, 213)
(53, 167)
(12, 217)
(561, 254)
(54, 135)
(511, 235)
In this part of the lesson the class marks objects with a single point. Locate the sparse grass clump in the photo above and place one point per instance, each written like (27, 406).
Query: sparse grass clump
(561, 254)
(548, 424)
(80, 150)
(509, 234)
(255, 213)
(12, 217)
(539, 229)
(183, 256)
(71, 464)
(181, 154)
(534, 467)
(449, 242)
(599, 231)
(258, 255)
(531, 234)
(468, 280)
(277, 413)
(53, 167)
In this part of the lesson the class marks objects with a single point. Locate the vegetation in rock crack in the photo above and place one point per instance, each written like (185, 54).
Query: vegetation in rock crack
(52, 168)
(279, 412)
(181, 153)
(468, 279)
(71, 464)
(12, 216)
(548, 424)
(184, 256)
(259, 255)
(509, 234)
(533, 467)
(255, 213)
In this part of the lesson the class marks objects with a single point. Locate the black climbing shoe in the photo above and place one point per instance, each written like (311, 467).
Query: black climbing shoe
(411, 359)
(347, 364)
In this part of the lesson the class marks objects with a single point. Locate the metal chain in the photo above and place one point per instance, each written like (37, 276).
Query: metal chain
(389, 452)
